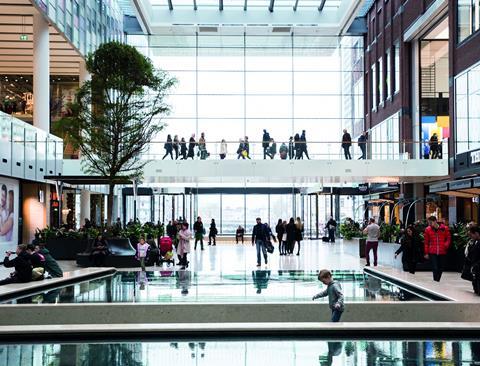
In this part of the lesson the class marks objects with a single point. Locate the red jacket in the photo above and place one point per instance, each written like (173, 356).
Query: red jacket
(437, 241)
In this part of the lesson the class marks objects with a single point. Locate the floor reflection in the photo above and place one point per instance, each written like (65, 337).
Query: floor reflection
(233, 353)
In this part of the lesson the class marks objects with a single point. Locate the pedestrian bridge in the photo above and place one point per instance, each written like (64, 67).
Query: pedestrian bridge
(285, 171)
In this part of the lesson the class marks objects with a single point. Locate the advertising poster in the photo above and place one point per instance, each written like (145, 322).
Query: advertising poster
(8, 214)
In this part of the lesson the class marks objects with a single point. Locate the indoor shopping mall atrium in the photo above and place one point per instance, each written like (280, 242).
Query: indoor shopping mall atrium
(239, 182)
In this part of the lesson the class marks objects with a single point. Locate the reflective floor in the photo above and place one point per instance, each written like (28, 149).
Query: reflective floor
(251, 353)
(254, 286)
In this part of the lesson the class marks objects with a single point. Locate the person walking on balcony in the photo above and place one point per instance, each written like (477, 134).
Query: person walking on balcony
(303, 142)
(191, 147)
(265, 143)
(434, 147)
(346, 143)
(436, 242)
(183, 149)
(283, 151)
(373, 233)
(202, 147)
(298, 146)
(199, 231)
(246, 147)
(223, 149)
(272, 150)
(362, 144)
(168, 147)
(291, 148)
(426, 149)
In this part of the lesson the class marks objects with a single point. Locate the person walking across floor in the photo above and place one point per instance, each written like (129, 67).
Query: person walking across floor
(290, 230)
(142, 251)
(471, 268)
(212, 233)
(199, 232)
(280, 230)
(437, 240)
(223, 149)
(303, 142)
(168, 147)
(265, 143)
(259, 237)
(373, 233)
(176, 146)
(184, 236)
(346, 143)
(191, 147)
(362, 144)
(239, 234)
(411, 249)
(334, 293)
(299, 233)
(331, 228)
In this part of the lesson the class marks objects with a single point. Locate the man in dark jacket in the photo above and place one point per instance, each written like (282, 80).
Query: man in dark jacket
(171, 230)
(199, 231)
(362, 144)
(265, 143)
(331, 227)
(346, 143)
(259, 237)
(303, 140)
(21, 263)
(51, 265)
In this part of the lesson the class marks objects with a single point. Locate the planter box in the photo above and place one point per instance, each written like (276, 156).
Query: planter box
(66, 248)
(385, 252)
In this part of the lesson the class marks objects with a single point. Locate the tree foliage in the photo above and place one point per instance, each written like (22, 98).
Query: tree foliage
(117, 113)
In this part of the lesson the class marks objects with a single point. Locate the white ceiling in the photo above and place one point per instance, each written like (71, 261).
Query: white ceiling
(16, 56)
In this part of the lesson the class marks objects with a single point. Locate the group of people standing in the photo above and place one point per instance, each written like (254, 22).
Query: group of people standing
(183, 150)
(288, 234)
(347, 143)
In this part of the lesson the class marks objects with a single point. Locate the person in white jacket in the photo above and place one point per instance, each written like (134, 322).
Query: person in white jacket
(223, 149)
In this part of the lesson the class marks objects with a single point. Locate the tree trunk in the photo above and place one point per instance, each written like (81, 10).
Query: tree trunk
(111, 188)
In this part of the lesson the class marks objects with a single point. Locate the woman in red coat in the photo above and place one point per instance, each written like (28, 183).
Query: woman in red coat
(437, 241)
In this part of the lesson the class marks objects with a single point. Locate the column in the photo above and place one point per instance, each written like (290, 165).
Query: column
(41, 73)
(84, 206)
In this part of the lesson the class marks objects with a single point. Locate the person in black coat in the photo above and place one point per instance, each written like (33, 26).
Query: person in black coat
(290, 230)
(472, 258)
(22, 265)
(99, 251)
(411, 248)
(346, 143)
(297, 146)
(303, 141)
(212, 233)
(191, 147)
(265, 143)
(168, 147)
(183, 149)
(362, 144)
(331, 228)
(291, 148)
(280, 230)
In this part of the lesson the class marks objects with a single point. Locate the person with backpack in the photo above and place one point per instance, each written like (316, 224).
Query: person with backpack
(212, 233)
(265, 143)
(168, 147)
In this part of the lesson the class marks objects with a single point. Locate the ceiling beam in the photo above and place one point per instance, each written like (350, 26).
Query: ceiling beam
(322, 4)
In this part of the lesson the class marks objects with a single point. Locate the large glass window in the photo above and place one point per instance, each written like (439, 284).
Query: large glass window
(397, 67)
(374, 86)
(467, 110)
(468, 18)
(233, 86)
(388, 75)
(381, 80)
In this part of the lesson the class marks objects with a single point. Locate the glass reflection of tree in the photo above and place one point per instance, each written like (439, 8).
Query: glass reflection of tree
(119, 354)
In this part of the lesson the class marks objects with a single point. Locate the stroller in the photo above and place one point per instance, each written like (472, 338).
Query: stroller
(166, 251)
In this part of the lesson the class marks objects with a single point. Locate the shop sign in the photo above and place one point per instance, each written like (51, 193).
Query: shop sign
(475, 157)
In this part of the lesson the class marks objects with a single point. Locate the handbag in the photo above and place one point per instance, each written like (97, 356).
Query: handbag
(269, 246)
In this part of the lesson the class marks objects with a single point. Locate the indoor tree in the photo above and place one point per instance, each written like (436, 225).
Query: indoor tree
(117, 113)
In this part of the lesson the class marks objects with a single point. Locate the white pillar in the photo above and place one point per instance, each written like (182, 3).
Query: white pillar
(84, 206)
(41, 73)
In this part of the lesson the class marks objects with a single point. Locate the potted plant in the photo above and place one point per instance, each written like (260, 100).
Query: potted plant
(349, 230)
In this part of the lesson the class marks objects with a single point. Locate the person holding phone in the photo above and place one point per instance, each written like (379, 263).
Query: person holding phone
(22, 265)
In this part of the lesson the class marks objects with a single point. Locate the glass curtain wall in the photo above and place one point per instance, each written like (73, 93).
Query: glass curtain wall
(231, 86)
